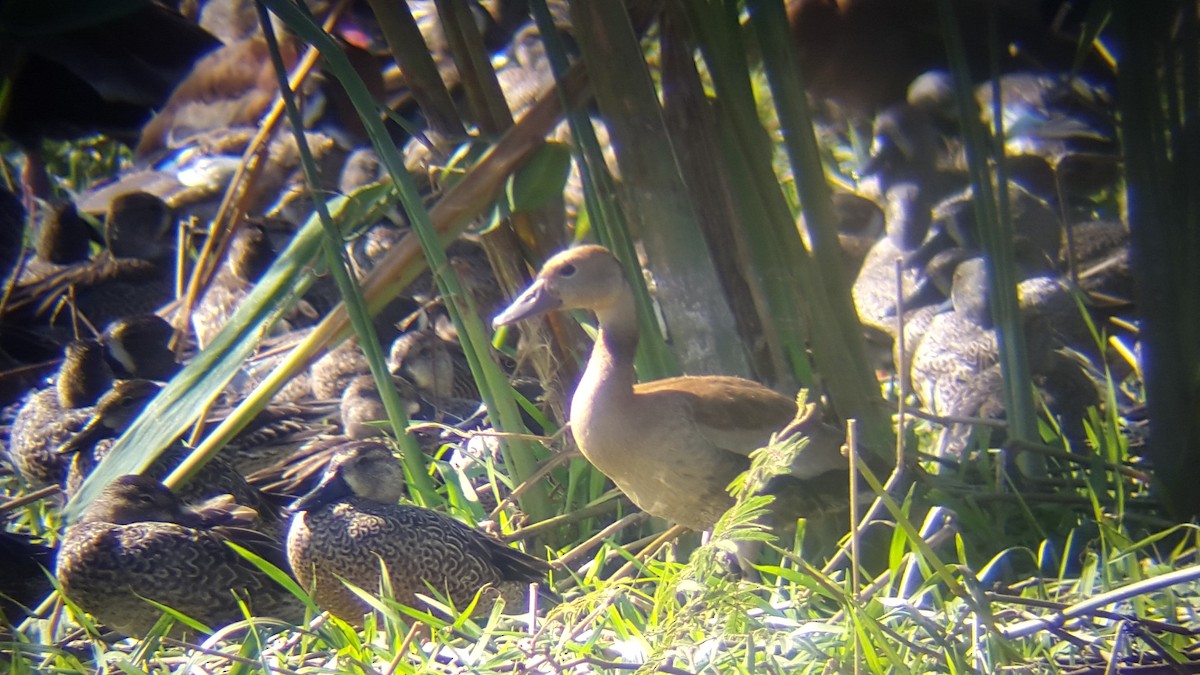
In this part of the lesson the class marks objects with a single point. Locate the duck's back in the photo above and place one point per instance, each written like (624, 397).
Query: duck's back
(104, 568)
(40, 428)
(420, 548)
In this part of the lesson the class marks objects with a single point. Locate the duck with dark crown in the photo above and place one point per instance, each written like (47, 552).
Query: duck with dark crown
(137, 542)
(131, 276)
(277, 431)
(673, 445)
(351, 524)
(52, 415)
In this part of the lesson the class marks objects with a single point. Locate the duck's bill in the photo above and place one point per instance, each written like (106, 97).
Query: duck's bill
(331, 488)
(85, 439)
(534, 301)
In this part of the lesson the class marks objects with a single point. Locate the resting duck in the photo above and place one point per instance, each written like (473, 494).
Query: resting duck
(131, 276)
(137, 542)
(274, 433)
(54, 414)
(673, 445)
(352, 522)
(138, 347)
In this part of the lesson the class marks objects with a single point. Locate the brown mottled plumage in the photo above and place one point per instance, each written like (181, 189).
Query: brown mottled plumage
(250, 254)
(63, 238)
(252, 449)
(362, 413)
(136, 540)
(437, 368)
(352, 522)
(53, 415)
(672, 445)
(131, 276)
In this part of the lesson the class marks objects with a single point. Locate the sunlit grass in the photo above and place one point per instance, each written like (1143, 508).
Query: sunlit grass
(971, 559)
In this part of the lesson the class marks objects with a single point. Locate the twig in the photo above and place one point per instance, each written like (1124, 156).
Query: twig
(542, 471)
(628, 521)
(1092, 605)
(40, 493)
(1077, 458)
(855, 533)
(666, 537)
(954, 419)
(608, 502)
(1152, 624)
(408, 640)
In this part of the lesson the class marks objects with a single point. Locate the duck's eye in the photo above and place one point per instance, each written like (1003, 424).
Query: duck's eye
(566, 271)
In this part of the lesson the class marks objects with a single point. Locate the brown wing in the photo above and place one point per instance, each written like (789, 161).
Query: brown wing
(735, 414)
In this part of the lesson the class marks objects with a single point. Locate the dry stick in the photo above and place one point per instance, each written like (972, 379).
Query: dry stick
(413, 632)
(30, 498)
(954, 419)
(468, 434)
(902, 368)
(1125, 325)
(1090, 606)
(637, 545)
(10, 284)
(542, 471)
(855, 561)
(877, 508)
(946, 529)
(56, 615)
(182, 244)
(670, 535)
(855, 531)
(940, 525)
(607, 502)
(45, 606)
(1160, 626)
(1057, 453)
(591, 618)
(1126, 353)
(1118, 646)
(232, 658)
(1140, 631)
(30, 368)
(591, 542)
(295, 636)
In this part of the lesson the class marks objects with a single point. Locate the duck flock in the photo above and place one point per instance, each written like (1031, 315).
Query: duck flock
(92, 323)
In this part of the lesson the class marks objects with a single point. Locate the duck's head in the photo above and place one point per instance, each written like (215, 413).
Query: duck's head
(138, 345)
(365, 469)
(64, 236)
(84, 374)
(587, 277)
(423, 358)
(251, 253)
(135, 225)
(134, 499)
(363, 409)
(115, 411)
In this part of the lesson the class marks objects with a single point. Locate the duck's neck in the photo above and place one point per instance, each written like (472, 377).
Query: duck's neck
(609, 372)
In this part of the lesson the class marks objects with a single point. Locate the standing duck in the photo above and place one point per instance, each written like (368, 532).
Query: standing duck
(351, 523)
(137, 542)
(673, 445)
